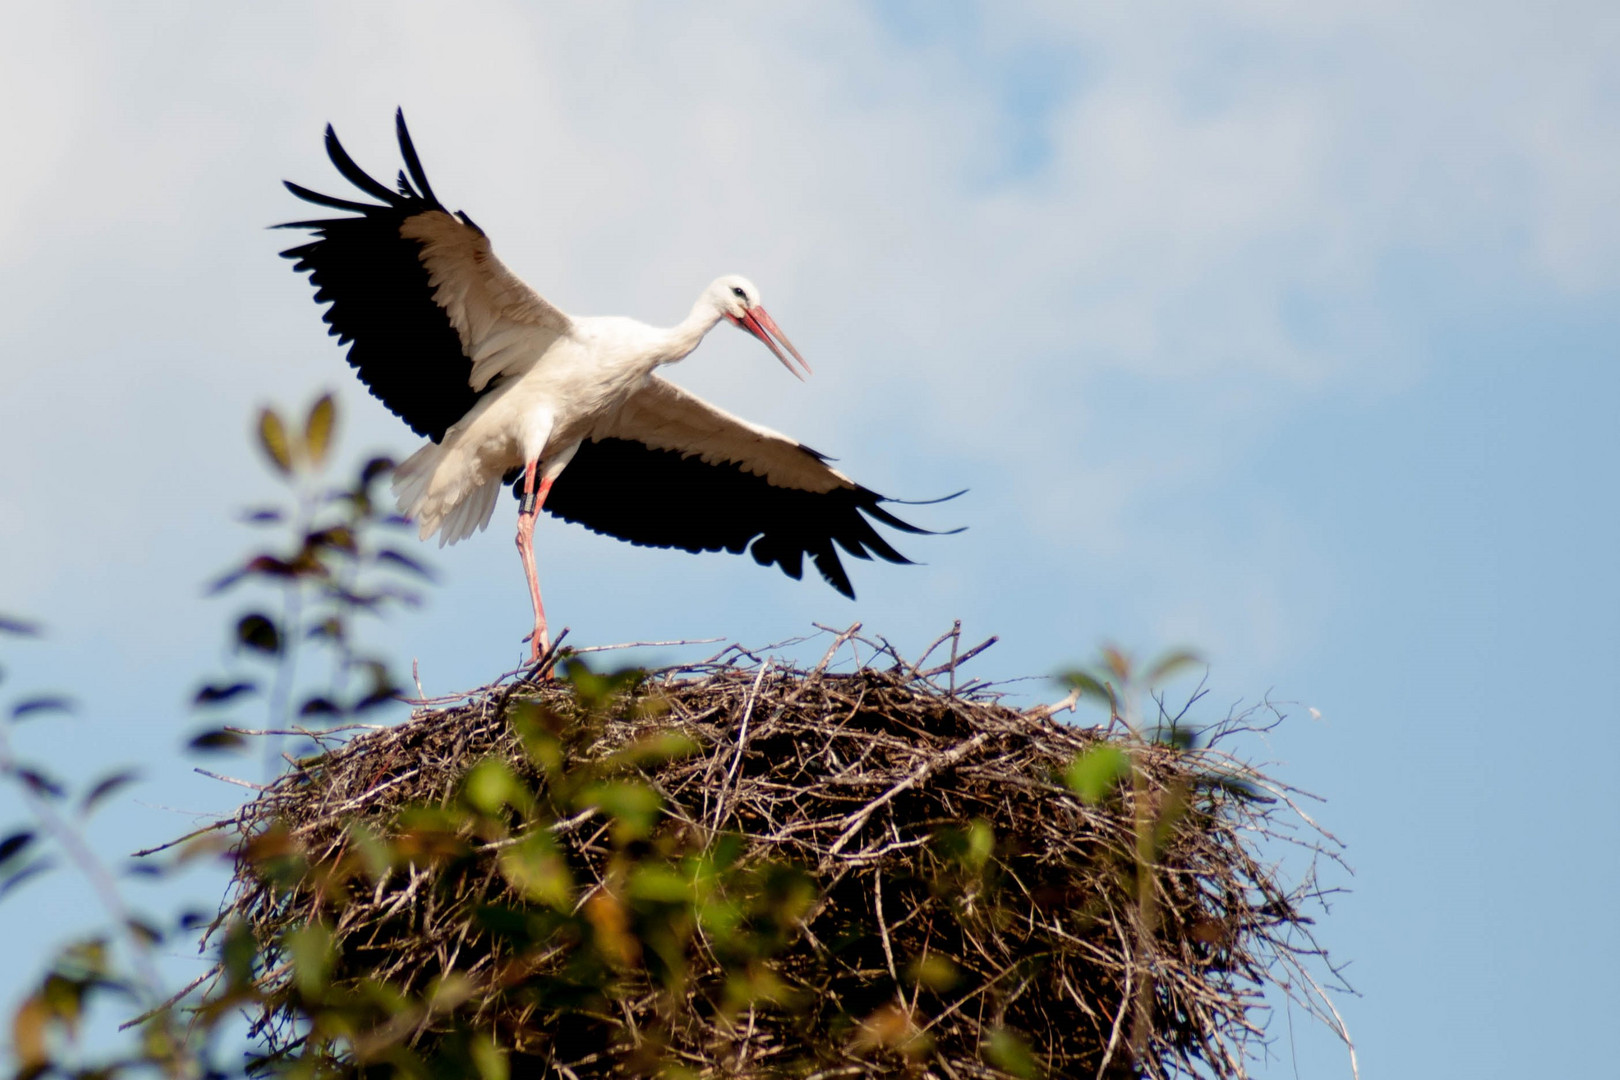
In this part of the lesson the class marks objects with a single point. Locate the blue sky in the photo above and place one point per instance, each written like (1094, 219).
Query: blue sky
(1286, 332)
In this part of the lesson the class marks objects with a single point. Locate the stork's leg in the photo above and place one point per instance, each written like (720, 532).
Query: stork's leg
(539, 640)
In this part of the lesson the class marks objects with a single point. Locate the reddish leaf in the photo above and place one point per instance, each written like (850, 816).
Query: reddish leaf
(15, 843)
(105, 787)
(27, 873)
(18, 627)
(51, 703)
(404, 562)
(376, 467)
(258, 633)
(217, 693)
(217, 740)
(39, 783)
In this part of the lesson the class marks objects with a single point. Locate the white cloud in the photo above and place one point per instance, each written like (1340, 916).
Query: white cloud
(1203, 245)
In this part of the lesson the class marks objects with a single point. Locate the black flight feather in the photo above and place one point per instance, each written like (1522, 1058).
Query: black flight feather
(410, 356)
(404, 347)
(663, 498)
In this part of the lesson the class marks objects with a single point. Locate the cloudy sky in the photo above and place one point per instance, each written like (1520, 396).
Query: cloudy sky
(1283, 331)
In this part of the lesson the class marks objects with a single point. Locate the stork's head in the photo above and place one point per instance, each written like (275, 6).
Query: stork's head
(737, 299)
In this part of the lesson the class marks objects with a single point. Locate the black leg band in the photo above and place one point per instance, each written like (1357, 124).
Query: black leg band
(527, 505)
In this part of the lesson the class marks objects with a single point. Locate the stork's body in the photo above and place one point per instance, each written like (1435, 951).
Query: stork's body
(577, 381)
(508, 388)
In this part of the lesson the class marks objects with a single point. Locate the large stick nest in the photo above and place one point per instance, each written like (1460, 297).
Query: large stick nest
(961, 911)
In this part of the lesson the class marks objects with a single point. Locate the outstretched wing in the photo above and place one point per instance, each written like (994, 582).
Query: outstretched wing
(671, 470)
(433, 315)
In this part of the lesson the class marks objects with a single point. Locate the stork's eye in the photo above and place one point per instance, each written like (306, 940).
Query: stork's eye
(736, 290)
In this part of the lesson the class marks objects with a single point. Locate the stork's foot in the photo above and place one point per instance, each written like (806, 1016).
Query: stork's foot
(539, 643)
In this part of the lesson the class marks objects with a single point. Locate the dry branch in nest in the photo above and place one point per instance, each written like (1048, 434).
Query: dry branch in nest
(742, 868)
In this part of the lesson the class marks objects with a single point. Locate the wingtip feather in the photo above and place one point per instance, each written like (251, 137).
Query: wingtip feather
(407, 150)
(354, 174)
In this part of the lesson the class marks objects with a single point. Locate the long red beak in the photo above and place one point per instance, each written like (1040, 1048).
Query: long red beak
(759, 323)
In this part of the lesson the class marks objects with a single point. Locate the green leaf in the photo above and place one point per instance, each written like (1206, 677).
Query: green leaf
(935, 972)
(318, 429)
(273, 439)
(376, 853)
(1088, 685)
(144, 932)
(652, 749)
(1170, 664)
(1117, 663)
(981, 841)
(596, 692)
(311, 950)
(536, 869)
(1093, 774)
(488, 1058)
(969, 847)
(1008, 1052)
(491, 786)
(634, 807)
(238, 954)
(651, 883)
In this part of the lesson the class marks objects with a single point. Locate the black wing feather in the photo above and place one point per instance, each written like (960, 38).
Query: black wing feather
(404, 347)
(407, 150)
(355, 175)
(660, 498)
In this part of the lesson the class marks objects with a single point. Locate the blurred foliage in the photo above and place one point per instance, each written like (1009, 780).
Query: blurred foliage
(334, 567)
(675, 904)
(668, 896)
(1117, 772)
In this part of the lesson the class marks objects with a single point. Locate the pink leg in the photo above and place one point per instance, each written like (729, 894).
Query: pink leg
(539, 640)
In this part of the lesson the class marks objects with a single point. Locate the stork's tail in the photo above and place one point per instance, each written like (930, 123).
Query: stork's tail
(454, 506)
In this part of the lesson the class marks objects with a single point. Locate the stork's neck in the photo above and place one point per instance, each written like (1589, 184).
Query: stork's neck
(685, 336)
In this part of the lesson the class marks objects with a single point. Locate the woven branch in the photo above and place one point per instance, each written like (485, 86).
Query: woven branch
(910, 961)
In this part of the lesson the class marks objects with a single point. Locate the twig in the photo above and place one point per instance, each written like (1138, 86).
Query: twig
(883, 928)
(211, 827)
(860, 776)
(958, 661)
(176, 996)
(742, 744)
(922, 772)
(838, 643)
(231, 780)
(645, 645)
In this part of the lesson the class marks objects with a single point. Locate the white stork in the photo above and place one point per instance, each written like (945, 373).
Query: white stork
(509, 389)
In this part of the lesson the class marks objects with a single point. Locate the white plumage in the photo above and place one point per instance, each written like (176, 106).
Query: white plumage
(510, 389)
